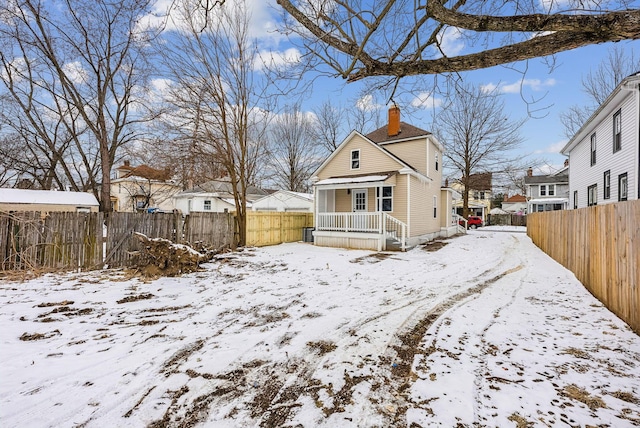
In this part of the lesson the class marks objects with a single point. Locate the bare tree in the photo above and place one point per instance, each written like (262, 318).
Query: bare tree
(390, 38)
(329, 127)
(72, 69)
(217, 94)
(294, 152)
(477, 135)
(598, 84)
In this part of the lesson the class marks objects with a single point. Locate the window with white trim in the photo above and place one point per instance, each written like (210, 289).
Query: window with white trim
(355, 159)
(593, 149)
(607, 185)
(575, 199)
(592, 195)
(436, 161)
(623, 187)
(207, 205)
(384, 198)
(617, 131)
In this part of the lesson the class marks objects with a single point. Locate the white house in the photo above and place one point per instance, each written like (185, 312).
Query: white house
(213, 196)
(140, 188)
(285, 200)
(604, 153)
(547, 192)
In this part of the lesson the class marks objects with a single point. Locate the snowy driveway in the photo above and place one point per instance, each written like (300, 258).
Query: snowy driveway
(482, 329)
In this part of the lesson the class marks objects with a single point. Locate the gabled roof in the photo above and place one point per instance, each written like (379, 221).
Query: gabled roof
(546, 179)
(144, 171)
(514, 199)
(218, 188)
(481, 181)
(308, 197)
(407, 131)
(629, 82)
(405, 166)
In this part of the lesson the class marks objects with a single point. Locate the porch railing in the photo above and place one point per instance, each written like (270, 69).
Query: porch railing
(349, 222)
(368, 222)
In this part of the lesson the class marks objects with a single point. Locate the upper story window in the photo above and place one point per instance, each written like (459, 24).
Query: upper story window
(623, 187)
(592, 195)
(593, 149)
(547, 190)
(436, 161)
(607, 185)
(355, 159)
(617, 131)
(207, 205)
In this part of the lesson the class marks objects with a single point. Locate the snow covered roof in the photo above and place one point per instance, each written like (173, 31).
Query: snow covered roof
(374, 178)
(47, 197)
(549, 201)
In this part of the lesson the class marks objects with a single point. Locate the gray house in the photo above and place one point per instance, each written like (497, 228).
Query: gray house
(548, 192)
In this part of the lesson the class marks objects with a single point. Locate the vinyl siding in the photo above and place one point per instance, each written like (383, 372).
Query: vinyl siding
(413, 153)
(582, 174)
(372, 160)
(422, 221)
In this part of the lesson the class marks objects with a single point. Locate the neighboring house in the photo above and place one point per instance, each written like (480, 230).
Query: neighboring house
(516, 204)
(382, 189)
(547, 192)
(142, 188)
(285, 200)
(213, 196)
(480, 194)
(604, 153)
(47, 200)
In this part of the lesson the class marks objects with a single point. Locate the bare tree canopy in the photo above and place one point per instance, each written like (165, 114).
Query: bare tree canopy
(477, 135)
(73, 73)
(394, 38)
(217, 95)
(294, 152)
(598, 84)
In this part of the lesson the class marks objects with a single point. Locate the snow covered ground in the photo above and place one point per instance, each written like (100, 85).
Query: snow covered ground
(478, 330)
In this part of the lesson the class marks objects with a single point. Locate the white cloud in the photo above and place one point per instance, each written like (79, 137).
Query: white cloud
(367, 103)
(450, 42)
(553, 148)
(516, 87)
(75, 72)
(426, 100)
(268, 58)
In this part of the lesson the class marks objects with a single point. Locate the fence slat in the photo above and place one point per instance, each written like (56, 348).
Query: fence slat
(601, 246)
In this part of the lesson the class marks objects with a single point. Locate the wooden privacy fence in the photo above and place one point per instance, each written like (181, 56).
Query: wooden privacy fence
(271, 228)
(74, 241)
(59, 240)
(601, 246)
(507, 219)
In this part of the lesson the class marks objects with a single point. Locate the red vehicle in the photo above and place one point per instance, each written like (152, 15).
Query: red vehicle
(472, 222)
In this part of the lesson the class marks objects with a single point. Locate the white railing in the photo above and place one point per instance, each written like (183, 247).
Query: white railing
(456, 219)
(395, 229)
(349, 222)
(368, 222)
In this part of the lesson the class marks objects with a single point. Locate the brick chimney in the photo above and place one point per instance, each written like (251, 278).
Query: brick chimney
(530, 172)
(393, 128)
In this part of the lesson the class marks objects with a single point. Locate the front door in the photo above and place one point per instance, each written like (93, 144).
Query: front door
(359, 200)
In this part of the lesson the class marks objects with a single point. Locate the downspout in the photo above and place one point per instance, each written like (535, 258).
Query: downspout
(638, 143)
(408, 207)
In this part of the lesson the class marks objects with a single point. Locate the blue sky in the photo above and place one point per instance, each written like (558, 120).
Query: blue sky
(554, 90)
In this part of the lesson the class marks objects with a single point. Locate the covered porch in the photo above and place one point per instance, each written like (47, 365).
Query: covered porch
(361, 212)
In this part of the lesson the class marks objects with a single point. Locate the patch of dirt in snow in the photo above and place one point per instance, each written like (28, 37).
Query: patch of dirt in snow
(371, 258)
(432, 246)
